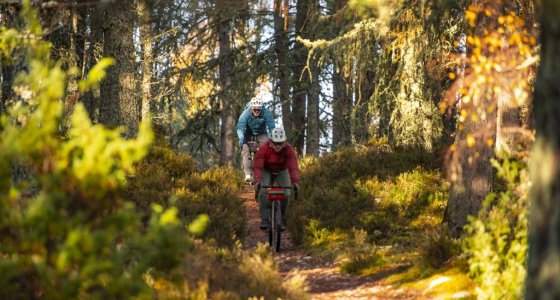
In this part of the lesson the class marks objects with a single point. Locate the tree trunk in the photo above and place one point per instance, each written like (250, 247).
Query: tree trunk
(342, 101)
(119, 104)
(543, 273)
(300, 82)
(146, 38)
(342, 107)
(360, 114)
(225, 68)
(313, 133)
(470, 169)
(281, 48)
(94, 52)
(507, 124)
(75, 60)
(7, 18)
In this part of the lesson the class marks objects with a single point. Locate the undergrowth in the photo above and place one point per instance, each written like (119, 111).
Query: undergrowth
(173, 179)
(374, 197)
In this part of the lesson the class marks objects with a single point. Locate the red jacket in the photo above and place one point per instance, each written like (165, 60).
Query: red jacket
(275, 162)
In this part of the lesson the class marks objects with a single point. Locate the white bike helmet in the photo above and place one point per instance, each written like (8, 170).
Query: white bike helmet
(256, 103)
(278, 135)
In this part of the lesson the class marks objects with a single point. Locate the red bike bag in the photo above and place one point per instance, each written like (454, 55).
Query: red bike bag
(276, 193)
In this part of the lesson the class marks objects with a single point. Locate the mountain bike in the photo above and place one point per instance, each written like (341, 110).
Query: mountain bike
(274, 196)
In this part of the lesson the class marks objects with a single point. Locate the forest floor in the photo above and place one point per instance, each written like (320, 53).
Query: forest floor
(323, 280)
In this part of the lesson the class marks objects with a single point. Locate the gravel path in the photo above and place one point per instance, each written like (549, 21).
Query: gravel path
(323, 279)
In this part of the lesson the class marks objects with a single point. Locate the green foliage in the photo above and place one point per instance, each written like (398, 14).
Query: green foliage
(372, 195)
(71, 236)
(322, 241)
(438, 247)
(96, 74)
(358, 253)
(402, 200)
(352, 250)
(216, 193)
(214, 273)
(172, 179)
(410, 77)
(497, 245)
(67, 232)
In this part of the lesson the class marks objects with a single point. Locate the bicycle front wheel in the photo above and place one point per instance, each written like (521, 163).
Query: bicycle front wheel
(276, 235)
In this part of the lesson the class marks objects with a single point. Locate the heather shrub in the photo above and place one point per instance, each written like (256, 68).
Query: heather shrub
(173, 179)
(352, 250)
(356, 200)
(410, 200)
(214, 192)
(382, 192)
(359, 253)
(438, 247)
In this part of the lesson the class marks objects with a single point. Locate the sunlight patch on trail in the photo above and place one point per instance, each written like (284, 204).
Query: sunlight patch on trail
(438, 281)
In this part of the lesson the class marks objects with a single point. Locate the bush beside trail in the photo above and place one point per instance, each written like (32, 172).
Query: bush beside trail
(173, 179)
(356, 198)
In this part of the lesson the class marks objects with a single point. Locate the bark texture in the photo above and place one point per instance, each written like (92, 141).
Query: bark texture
(281, 48)
(225, 69)
(146, 37)
(119, 104)
(543, 274)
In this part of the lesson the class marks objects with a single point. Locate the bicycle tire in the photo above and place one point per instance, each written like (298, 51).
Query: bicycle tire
(269, 230)
(276, 233)
(278, 236)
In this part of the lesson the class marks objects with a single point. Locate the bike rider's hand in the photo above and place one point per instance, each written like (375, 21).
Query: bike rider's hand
(296, 187)
(241, 143)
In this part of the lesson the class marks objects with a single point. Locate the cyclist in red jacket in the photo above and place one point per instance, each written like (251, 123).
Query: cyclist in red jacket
(275, 158)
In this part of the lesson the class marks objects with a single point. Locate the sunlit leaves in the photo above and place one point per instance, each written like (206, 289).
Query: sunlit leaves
(99, 156)
(9, 41)
(471, 141)
(198, 226)
(501, 48)
(471, 16)
(196, 88)
(96, 74)
(498, 240)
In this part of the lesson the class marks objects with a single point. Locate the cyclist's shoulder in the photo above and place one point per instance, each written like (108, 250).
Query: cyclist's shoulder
(290, 149)
(245, 114)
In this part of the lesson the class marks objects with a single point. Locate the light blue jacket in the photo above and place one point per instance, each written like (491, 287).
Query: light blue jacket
(250, 125)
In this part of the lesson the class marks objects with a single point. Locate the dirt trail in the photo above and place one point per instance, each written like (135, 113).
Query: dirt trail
(323, 279)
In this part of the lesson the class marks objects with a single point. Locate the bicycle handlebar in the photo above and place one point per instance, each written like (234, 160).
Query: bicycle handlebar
(269, 186)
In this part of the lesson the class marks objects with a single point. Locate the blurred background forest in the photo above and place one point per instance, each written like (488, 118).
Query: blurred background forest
(119, 118)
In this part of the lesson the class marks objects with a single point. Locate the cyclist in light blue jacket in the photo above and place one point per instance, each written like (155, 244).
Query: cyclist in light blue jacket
(254, 124)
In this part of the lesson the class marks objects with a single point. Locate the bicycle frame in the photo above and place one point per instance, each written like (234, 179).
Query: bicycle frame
(274, 196)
